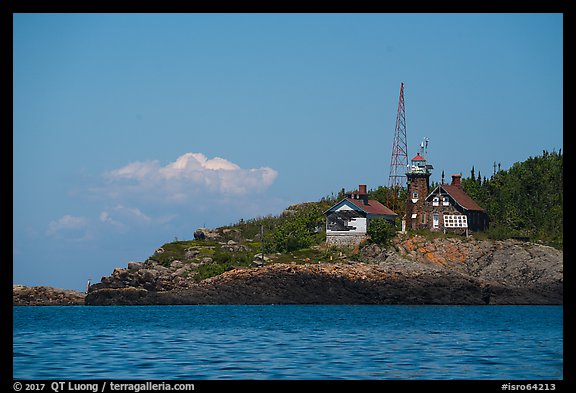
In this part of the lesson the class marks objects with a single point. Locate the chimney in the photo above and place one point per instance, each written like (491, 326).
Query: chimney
(456, 180)
(362, 194)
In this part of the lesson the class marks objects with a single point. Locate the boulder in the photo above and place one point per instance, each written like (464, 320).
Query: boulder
(205, 233)
(199, 234)
(120, 271)
(234, 247)
(258, 257)
(182, 271)
(132, 266)
(191, 253)
(176, 264)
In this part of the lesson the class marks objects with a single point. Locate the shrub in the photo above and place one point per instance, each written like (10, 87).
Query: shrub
(381, 231)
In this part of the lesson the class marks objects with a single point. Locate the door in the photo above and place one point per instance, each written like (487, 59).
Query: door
(435, 220)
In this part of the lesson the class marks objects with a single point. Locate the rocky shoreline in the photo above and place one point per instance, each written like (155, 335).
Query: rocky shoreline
(45, 296)
(335, 284)
(416, 270)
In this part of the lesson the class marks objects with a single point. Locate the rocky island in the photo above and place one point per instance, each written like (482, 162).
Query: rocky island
(415, 270)
(45, 296)
(496, 264)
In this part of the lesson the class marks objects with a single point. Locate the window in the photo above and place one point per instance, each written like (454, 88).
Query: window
(414, 195)
(445, 201)
(455, 221)
(423, 218)
(436, 201)
(435, 220)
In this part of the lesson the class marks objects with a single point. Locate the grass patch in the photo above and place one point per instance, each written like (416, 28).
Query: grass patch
(173, 251)
(222, 261)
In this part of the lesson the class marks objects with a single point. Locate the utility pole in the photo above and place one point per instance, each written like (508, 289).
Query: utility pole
(262, 239)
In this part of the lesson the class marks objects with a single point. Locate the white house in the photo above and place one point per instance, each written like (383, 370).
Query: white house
(347, 221)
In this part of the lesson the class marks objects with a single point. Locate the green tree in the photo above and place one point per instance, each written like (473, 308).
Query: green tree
(526, 200)
(385, 196)
(298, 229)
(381, 231)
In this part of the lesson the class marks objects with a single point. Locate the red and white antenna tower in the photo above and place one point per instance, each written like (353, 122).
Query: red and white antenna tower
(399, 160)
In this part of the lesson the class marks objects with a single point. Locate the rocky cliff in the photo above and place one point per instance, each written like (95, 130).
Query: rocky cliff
(416, 271)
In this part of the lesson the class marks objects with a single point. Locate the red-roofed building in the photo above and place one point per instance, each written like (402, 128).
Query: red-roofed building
(446, 208)
(418, 157)
(347, 221)
(452, 209)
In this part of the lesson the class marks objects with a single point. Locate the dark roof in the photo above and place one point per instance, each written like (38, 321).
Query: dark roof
(458, 194)
(373, 207)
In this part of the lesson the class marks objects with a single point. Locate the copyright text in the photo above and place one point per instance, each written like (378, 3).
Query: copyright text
(101, 386)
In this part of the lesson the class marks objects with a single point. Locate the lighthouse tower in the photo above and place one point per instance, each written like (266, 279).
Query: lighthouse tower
(418, 179)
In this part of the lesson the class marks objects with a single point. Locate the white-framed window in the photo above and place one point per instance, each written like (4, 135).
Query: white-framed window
(436, 201)
(445, 201)
(414, 195)
(435, 220)
(455, 221)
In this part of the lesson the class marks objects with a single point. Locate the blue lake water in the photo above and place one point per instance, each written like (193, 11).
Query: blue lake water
(288, 342)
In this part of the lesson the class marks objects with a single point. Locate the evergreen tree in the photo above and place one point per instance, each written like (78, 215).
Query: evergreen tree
(526, 200)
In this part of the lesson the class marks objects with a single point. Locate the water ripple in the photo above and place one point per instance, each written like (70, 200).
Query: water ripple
(288, 342)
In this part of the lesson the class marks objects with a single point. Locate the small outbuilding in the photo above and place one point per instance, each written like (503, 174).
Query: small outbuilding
(347, 222)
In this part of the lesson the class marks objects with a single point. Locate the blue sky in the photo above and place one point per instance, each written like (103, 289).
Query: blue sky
(133, 129)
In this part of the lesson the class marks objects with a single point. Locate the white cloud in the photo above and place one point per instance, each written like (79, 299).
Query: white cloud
(177, 197)
(123, 217)
(105, 217)
(66, 222)
(133, 213)
(135, 170)
(69, 227)
(191, 175)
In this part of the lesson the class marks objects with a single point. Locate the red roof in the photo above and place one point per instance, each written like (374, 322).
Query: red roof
(461, 197)
(373, 207)
(418, 158)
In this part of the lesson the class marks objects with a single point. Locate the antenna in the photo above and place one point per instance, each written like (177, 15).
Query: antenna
(424, 147)
(399, 159)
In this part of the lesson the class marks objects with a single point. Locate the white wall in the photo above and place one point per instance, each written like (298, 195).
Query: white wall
(359, 223)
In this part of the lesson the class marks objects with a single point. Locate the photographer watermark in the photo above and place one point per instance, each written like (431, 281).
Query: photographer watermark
(100, 386)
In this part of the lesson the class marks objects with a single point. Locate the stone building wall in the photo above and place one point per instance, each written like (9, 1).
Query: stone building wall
(417, 184)
(344, 239)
